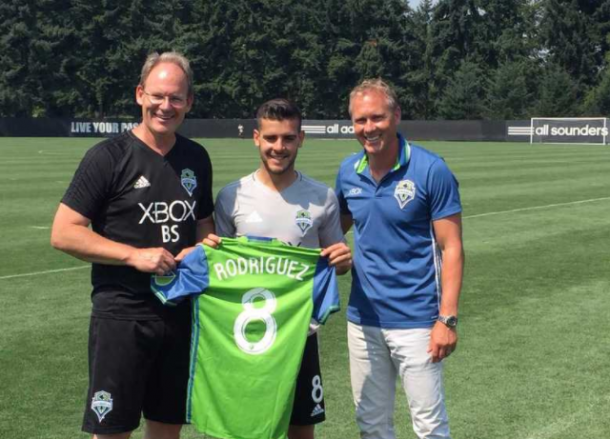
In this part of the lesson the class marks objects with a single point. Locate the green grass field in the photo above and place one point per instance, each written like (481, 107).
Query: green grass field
(534, 352)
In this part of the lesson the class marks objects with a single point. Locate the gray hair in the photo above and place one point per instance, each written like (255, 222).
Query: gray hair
(377, 85)
(176, 58)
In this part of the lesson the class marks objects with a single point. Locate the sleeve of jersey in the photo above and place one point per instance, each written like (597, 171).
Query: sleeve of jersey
(330, 230)
(206, 203)
(190, 278)
(89, 187)
(443, 190)
(225, 225)
(325, 291)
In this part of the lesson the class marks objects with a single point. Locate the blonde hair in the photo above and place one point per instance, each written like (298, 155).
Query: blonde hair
(377, 85)
(176, 58)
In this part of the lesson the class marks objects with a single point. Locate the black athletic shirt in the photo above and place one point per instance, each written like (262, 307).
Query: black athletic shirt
(135, 196)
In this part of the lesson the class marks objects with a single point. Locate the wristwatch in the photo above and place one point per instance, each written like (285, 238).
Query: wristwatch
(449, 321)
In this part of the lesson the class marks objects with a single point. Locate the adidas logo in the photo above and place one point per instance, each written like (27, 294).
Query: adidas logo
(317, 410)
(141, 183)
(254, 217)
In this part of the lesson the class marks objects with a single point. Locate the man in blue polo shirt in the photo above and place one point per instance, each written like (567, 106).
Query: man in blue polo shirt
(404, 204)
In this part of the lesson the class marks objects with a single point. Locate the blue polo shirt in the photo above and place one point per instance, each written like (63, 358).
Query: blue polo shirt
(396, 273)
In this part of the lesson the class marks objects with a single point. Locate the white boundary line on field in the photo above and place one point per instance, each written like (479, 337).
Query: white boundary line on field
(35, 273)
(524, 209)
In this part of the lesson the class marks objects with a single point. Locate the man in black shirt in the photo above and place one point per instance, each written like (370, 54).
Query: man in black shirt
(147, 195)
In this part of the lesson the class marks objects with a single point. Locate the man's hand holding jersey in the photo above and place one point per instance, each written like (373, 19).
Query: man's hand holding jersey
(151, 260)
(339, 256)
(211, 240)
(72, 234)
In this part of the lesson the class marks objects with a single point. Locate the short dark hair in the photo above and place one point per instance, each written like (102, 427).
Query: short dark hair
(278, 109)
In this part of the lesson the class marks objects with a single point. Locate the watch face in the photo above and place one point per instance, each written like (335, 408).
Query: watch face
(450, 321)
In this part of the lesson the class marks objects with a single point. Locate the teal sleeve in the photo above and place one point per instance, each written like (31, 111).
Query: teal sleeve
(191, 277)
(325, 291)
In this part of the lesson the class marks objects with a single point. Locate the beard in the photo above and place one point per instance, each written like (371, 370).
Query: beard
(286, 166)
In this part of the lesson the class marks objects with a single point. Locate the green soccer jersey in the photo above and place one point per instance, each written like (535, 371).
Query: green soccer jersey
(252, 307)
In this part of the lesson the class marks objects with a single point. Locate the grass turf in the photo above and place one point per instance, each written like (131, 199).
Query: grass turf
(532, 361)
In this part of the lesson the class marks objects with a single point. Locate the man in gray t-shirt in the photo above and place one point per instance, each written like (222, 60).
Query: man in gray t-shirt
(278, 202)
(305, 214)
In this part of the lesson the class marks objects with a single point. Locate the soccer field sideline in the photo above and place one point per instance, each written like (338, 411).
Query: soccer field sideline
(535, 293)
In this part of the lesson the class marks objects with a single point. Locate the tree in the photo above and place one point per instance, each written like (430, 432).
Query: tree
(557, 94)
(83, 57)
(456, 36)
(421, 79)
(503, 31)
(570, 36)
(251, 51)
(113, 42)
(507, 95)
(34, 77)
(365, 38)
(464, 97)
(16, 83)
(597, 102)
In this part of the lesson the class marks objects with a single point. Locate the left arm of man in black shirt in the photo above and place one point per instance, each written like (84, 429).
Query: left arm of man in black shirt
(71, 233)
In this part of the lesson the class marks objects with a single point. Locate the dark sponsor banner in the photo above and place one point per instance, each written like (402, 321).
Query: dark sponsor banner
(416, 130)
(34, 127)
(331, 129)
(243, 128)
(43, 127)
(218, 128)
(518, 130)
(458, 130)
(569, 130)
(107, 128)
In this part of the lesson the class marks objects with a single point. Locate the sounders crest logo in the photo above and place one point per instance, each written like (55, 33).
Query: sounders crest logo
(101, 404)
(188, 180)
(304, 221)
(404, 192)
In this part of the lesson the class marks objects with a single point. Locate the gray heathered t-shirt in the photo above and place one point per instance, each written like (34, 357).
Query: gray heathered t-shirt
(304, 214)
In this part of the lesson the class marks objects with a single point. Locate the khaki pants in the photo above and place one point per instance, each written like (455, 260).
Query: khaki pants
(377, 358)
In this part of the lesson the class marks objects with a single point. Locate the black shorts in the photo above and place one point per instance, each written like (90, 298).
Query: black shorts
(308, 407)
(136, 367)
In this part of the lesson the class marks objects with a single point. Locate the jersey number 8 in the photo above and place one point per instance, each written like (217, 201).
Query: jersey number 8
(252, 313)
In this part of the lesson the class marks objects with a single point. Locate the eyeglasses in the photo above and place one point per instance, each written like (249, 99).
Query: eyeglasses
(174, 101)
